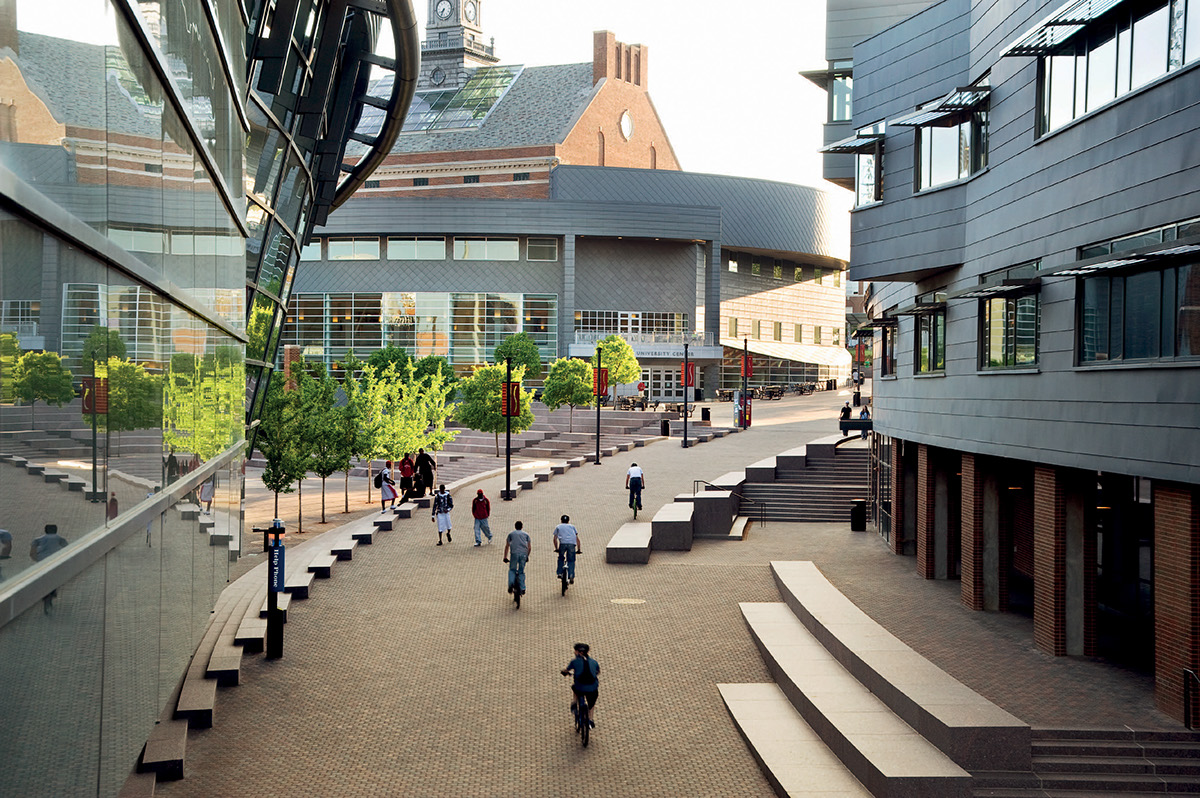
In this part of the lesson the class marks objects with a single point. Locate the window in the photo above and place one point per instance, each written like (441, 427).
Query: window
(755, 267)
(470, 178)
(798, 334)
(952, 149)
(1139, 316)
(542, 249)
(756, 330)
(777, 333)
(1115, 54)
(486, 249)
(837, 279)
(819, 275)
(817, 334)
(420, 181)
(733, 327)
(837, 337)
(519, 176)
(732, 264)
(311, 251)
(868, 165)
(841, 92)
(884, 351)
(777, 272)
(372, 184)
(354, 249)
(1010, 331)
(623, 322)
(931, 342)
(798, 275)
(433, 248)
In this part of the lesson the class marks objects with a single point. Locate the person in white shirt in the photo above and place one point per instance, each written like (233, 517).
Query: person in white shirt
(566, 543)
(635, 480)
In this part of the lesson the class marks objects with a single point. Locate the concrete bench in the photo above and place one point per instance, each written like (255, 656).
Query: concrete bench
(322, 565)
(423, 502)
(297, 583)
(629, 544)
(75, 484)
(382, 524)
(251, 633)
(671, 529)
(207, 523)
(282, 602)
(969, 729)
(54, 477)
(165, 750)
(367, 536)
(527, 483)
(36, 469)
(404, 510)
(559, 468)
(222, 537)
(188, 512)
(542, 476)
(344, 549)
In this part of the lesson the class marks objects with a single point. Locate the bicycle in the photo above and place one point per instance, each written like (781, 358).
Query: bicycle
(562, 573)
(515, 590)
(580, 709)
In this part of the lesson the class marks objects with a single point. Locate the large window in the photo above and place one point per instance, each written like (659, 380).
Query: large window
(617, 321)
(1141, 316)
(486, 249)
(841, 91)
(542, 249)
(1010, 331)
(416, 248)
(951, 150)
(930, 356)
(353, 248)
(1114, 55)
(868, 182)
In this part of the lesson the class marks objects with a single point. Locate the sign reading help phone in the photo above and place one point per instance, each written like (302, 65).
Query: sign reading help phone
(276, 568)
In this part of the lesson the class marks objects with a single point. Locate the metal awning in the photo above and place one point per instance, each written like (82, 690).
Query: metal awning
(991, 290)
(877, 323)
(957, 101)
(859, 142)
(1155, 253)
(920, 308)
(1057, 28)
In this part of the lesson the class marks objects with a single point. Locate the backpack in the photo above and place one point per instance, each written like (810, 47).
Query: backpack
(379, 480)
(586, 675)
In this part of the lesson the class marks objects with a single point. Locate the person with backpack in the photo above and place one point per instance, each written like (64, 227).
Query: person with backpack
(586, 682)
(387, 487)
(443, 503)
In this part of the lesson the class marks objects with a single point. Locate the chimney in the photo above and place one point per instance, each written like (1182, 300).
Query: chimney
(616, 60)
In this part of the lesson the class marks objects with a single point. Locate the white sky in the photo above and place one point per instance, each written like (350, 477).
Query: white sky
(723, 74)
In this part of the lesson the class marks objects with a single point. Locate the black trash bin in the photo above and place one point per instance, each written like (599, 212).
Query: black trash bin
(705, 415)
(664, 427)
(857, 398)
(858, 515)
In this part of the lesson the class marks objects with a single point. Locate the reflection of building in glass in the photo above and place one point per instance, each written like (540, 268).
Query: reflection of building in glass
(1052, 465)
(159, 171)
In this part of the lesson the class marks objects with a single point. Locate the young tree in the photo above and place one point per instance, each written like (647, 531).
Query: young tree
(352, 418)
(101, 344)
(479, 402)
(568, 383)
(42, 375)
(393, 356)
(9, 352)
(324, 424)
(619, 359)
(277, 438)
(415, 414)
(429, 365)
(523, 351)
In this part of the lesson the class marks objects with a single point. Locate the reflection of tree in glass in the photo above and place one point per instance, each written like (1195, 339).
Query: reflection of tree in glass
(568, 383)
(134, 398)
(101, 344)
(42, 375)
(479, 402)
(203, 400)
(9, 352)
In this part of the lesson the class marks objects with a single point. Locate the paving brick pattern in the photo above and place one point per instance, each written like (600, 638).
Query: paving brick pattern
(410, 673)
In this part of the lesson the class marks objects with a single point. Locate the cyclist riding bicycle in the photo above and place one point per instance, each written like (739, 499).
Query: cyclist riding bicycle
(635, 480)
(586, 682)
(567, 544)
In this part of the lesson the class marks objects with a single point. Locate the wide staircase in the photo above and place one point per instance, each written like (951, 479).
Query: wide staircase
(812, 483)
(555, 435)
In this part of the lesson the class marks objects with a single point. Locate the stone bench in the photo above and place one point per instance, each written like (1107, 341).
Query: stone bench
(36, 469)
(527, 483)
(188, 512)
(344, 549)
(559, 468)
(382, 524)
(671, 528)
(404, 510)
(297, 583)
(969, 729)
(54, 477)
(629, 544)
(542, 476)
(282, 602)
(321, 566)
(75, 484)
(367, 536)
(575, 462)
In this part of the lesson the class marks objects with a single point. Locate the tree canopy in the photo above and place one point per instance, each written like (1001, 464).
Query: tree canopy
(101, 344)
(380, 359)
(478, 407)
(42, 375)
(523, 351)
(619, 359)
(568, 383)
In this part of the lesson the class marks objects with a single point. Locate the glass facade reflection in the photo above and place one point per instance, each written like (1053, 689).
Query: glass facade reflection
(158, 175)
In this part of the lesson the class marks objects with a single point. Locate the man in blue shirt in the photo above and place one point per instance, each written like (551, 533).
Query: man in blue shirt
(587, 680)
(566, 543)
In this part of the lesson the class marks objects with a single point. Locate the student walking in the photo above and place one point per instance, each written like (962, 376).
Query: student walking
(443, 503)
(481, 510)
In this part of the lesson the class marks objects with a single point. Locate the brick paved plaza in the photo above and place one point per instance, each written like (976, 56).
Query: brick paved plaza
(410, 673)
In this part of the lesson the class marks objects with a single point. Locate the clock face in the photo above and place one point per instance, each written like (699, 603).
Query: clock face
(444, 9)
(438, 76)
(472, 12)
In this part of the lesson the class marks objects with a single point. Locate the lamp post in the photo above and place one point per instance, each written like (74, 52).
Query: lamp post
(686, 374)
(599, 372)
(507, 432)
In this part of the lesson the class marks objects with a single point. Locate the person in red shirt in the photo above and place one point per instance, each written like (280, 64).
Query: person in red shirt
(407, 469)
(481, 509)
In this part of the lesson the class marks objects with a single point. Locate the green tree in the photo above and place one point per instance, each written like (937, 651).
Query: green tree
(523, 351)
(324, 425)
(134, 398)
(279, 431)
(42, 375)
(353, 412)
(430, 365)
(415, 413)
(101, 344)
(619, 359)
(393, 356)
(568, 383)
(479, 402)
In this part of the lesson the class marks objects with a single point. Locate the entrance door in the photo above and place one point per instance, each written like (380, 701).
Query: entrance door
(663, 383)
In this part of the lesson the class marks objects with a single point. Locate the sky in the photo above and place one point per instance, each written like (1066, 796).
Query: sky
(723, 74)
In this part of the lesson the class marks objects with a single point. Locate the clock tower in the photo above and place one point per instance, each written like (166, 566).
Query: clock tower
(453, 44)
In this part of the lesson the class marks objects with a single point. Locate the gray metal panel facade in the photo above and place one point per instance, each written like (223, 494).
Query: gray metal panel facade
(1128, 166)
(635, 276)
(847, 22)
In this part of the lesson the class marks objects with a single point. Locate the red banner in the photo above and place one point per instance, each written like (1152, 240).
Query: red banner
(95, 395)
(747, 366)
(510, 399)
(599, 382)
(688, 378)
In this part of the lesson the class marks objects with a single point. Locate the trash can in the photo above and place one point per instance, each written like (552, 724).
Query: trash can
(858, 515)
(664, 427)
(857, 398)
(831, 385)
(705, 415)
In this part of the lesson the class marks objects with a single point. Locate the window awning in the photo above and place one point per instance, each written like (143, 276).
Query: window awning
(999, 288)
(957, 101)
(1189, 247)
(860, 142)
(1055, 29)
(920, 308)
(876, 323)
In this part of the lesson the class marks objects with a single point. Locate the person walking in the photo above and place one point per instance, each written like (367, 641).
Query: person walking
(387, 487)
(566, 543)
(407, 470)
(517, 547)
(864, 415)
(43, 546)
(443, 503)
(844, 415)
(113, 508)
(635, 480)
(481, 510)
(426, 465)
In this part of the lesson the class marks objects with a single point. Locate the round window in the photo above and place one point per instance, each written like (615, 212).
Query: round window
(626, 125)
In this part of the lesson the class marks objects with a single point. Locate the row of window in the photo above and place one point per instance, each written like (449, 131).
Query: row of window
(740, 262)
(761, 330)
(618, 321)
(518, 177)
(431, 248)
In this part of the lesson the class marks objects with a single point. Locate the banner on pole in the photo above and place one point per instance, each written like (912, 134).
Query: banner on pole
(599, 382)
(510, 399)
(687, 376)
(747, 366)
(95, 395)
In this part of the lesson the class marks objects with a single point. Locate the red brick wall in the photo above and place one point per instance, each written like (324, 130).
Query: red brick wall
(897, 540)
(972, 533)
(603, 115)
(1176, 594)
(1049, 561)
(925, 511)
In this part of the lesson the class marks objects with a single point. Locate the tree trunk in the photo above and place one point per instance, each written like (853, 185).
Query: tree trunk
(276, 504)
(571, 417)
(300, 506)
(347, 492)
(496, 435)
(370, 478)
(322, 500)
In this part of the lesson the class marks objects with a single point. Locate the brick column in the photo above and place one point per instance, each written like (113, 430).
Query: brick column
(897, 539)
(1176, 594)
(291, 358)
(925, 514)
(972, 533)
(1049, 562)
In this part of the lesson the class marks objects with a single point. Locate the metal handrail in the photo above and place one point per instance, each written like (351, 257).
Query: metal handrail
(762, 506)
(1189, 676)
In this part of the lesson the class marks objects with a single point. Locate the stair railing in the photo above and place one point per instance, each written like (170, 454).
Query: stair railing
(762, 506)
(1189, 678)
